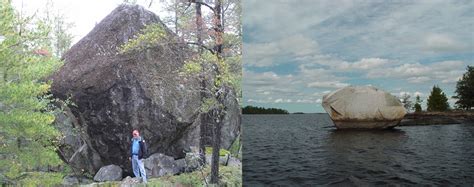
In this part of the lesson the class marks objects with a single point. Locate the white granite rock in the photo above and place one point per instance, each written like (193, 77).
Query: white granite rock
(363, 107)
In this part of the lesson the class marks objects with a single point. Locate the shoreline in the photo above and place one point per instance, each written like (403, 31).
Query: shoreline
(437, 118)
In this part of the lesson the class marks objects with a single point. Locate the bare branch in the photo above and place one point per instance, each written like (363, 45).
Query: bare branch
(203, 46)
(202, 3)
(151, 2)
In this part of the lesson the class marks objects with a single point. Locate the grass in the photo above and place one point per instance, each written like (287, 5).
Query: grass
(229, 176)
(222, 152)
(41, 179)
(235, 148)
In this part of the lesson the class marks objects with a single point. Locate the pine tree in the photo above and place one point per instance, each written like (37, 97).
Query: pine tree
(417, 106)
(465, 90)
(437, 101)
(27, 137)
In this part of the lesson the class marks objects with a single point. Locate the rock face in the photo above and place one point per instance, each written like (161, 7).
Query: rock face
(363, 107)
(109, 173)
(115, 93)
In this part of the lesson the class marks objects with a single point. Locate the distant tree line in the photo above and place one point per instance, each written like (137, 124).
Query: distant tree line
(261, 110)
(437, 101)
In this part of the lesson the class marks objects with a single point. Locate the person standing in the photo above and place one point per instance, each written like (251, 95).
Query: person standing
(138, 151)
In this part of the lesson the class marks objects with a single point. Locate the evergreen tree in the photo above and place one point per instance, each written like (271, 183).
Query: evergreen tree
(437, 101)
(465, 90)
(417, 106)
(405, 99)
(260, 110)
(27, 137)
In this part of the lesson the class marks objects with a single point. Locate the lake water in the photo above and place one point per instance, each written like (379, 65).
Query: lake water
(306, 149)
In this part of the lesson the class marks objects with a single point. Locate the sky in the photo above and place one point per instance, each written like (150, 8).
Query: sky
(84, 14)
(296, 52)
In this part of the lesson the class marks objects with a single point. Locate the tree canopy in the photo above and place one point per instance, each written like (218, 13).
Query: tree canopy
(465, 90)
(260, 110)
(437, 101)
(405, 99)
(27, 137)
(417, 106)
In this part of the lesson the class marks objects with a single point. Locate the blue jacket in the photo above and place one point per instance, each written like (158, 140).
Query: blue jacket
(142, 151)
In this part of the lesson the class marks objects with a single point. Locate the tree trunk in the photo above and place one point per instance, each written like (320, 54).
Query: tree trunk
(199, 22)
(176, 17)
(216, 134)
(217, 126)
(199, 26)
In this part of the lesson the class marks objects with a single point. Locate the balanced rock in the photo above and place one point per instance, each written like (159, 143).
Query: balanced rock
(109, 173)
(114, 93)
(363, 107)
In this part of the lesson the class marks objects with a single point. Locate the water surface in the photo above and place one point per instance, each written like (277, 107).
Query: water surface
(306, 149)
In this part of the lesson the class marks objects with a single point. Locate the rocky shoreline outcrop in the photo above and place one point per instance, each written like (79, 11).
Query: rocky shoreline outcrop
(437, 118)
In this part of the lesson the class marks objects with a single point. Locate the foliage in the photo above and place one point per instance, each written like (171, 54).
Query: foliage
(465, 90)
(180, 18)
(42, 178)
(151, 36)
(417, 106)
(230, 176)
(58, 39)
(62, 39)
(405, 99)
(236, 147)
(27, 137)
(260, 110)
(222, 152)
(437, 101)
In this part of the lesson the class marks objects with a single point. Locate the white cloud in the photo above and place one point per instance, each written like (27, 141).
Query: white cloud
(417, 93)
(368, 63)
(442, 43)
(308, 101)
(327, 84)
(270, 53)
(420, 79)
(445, 71)
(364, 64)
(280, 100)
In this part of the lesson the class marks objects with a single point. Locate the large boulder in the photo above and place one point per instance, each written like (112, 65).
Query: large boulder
(108, 173)
(114, 93)
(158, 165)
(363, 107)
